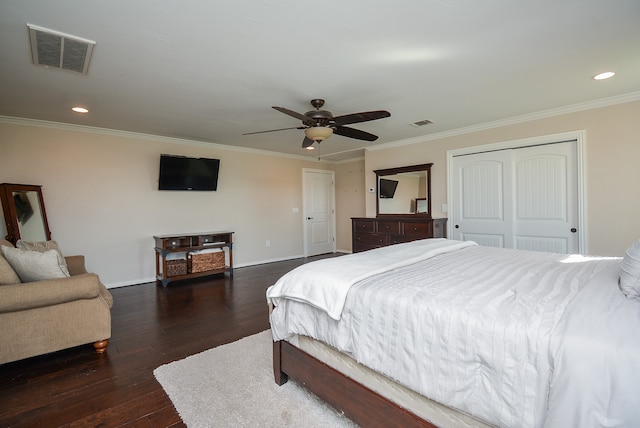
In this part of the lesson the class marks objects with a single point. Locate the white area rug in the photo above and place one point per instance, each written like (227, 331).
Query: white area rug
(232, 386)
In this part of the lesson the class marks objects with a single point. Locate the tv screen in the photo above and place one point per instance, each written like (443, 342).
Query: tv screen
(185, 173)
(387, 188)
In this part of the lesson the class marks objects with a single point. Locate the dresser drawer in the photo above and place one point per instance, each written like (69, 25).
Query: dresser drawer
(364, 225)
(417, 229)
(377, 239)
(399, 239)
(388, 226)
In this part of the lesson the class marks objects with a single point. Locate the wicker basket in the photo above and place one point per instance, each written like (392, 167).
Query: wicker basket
(176, 267)
(201, 262)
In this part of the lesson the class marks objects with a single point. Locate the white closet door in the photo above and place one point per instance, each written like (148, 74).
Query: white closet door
(546, 198)
(523, 198)
(483, 205)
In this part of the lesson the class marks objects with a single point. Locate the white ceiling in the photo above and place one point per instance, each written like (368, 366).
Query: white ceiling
(211, 70)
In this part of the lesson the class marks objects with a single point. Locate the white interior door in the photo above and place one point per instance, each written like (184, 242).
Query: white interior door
(523, 198)
(319, 212)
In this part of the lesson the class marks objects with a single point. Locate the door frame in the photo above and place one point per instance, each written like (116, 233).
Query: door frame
(579, 136)
(305, 223)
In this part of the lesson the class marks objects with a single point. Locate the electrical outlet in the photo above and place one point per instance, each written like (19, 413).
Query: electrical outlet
(445, 208)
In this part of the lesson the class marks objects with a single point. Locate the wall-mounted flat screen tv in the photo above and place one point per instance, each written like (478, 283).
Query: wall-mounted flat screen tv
(185, 173)
(387, 188)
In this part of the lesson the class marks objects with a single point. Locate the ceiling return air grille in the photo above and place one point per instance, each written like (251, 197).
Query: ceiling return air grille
(421, 123)
(54, 49)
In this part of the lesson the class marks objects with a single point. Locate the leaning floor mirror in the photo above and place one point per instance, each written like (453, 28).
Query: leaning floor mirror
(24, 214)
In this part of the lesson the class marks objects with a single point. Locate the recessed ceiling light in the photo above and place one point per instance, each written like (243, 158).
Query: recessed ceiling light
(80, 110)
(605, 75)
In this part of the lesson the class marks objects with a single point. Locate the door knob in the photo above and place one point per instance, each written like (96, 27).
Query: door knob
(574, 230)
(457, 226)
(309, 218)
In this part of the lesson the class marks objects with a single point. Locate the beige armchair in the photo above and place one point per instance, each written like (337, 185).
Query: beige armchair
(49, 315)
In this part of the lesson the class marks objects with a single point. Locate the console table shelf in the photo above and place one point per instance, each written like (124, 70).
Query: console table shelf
(187, 248)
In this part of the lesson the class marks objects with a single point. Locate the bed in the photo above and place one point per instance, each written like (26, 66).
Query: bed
(448, 333)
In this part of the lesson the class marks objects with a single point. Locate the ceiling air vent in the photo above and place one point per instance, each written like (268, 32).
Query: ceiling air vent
(53, 49)
(421, 123)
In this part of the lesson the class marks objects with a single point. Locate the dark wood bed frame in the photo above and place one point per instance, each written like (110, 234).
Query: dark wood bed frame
(357, 402)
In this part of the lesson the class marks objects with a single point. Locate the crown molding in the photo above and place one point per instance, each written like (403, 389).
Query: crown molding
(604, 102)
(141, 136)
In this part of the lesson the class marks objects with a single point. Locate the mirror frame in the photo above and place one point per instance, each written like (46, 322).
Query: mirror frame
(393, 171)
(10, 213)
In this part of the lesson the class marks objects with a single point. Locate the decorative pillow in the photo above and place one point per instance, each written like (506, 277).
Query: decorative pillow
(42, 247)
(630, 272)
(34, 265)
(7, 275)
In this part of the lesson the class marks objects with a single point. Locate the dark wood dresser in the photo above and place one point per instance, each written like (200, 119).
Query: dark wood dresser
(369, 233)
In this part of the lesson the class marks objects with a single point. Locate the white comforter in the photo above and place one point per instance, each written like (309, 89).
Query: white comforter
(472, 329)
(325, 283)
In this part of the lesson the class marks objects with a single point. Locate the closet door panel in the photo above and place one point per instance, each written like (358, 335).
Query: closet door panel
(483, 202)
(545, 198)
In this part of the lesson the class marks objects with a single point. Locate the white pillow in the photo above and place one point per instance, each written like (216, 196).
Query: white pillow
(34, 265)
(630, 272)
(42, 247)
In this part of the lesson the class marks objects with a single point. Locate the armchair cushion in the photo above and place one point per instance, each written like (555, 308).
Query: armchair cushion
(34, 265)
(20, 297)
(7, 274)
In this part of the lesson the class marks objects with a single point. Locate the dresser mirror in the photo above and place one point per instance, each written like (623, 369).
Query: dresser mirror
(404, 191)
(24, 214)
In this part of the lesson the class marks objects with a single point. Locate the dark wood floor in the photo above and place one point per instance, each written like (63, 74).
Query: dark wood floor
(151, 325)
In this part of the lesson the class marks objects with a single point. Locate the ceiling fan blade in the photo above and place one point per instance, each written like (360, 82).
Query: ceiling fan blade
(273, 130)
(292, 113)
(345, 131)
(360, 117)
(307, 142)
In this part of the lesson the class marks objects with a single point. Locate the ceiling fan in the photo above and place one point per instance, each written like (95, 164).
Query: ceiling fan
(319, 124)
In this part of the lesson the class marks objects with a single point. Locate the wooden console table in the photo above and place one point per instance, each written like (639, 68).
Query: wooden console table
(188, 248)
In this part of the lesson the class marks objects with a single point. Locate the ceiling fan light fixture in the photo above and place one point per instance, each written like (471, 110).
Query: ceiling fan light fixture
(318, 133)
(310, 147)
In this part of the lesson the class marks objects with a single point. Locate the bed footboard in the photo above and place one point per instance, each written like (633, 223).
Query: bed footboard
(355, 401)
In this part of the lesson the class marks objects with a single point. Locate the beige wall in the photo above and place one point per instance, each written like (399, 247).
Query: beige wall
(350, 200)
(102, 201)
(612, 168)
